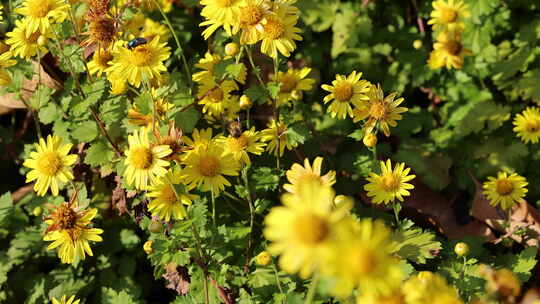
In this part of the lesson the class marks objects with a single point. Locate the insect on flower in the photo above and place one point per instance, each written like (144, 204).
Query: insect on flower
(133, 43)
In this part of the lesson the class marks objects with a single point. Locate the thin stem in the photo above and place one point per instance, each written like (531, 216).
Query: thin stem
(32, 112)
(213, 209)
(255, 69)
(202, 257)
(312, 289)
(396, 212)
(251, 215)
(233, 197)
(182, 56)
(276, 275)
(103, 130)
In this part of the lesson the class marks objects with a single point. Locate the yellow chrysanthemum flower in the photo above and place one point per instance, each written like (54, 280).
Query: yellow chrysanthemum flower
(299, 176)
(118, 82)
(277, 138)
(302, 230)
(379, 110)
(345, 91)
(100, 62)
(427, 287)
(278, 34)
(448, 15)
(391, 184)
(251, 18)
(68, 229)
(293, 84)
(207, 64)
(240, 146)
(361, 259)
(65, 300)
(219, 13)
(214, 96)
(527, 125)
(448, 52)
(26, 45)
(152, 29)
(144, 162)
(50, 164)
(199, 138)
(141, 64)
(505, 190)
(168, 202)
(395, 297)
(41, 14)
(205, 167)
(6, 61)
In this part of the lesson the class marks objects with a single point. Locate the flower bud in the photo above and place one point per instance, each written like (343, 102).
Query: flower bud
(370, 140)
(417, 44)
(231, 49)
(37, 211)
(461, 249)
(343, 199)
(147, 247)
(245, 102)
(42, 40)
(263, 259)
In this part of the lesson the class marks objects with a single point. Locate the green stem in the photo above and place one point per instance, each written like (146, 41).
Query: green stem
(251, 213)
(276, 275)
(213, 210)
(396, 212)
(203, 260)
(255, 69)
(312, 288)
(182, 56)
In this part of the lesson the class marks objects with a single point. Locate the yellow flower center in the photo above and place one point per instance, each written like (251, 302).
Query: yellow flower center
(225, 3)
(288, 83)
(532, 125)
(251, 14)
(167, 195)
(216, 95)
(273, 29)
(49, 163)
(343, 91)
(449, 15)
(454, 47)
(363, 262)
(142, 158)
(142, 56)
(39, 8)
(237, 144)
(390, 183)
(504, 187)
(378, 110)
(209, 166)
(311, 229)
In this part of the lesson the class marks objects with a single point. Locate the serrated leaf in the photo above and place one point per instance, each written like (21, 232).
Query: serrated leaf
(187, 119)
(298, 133)
(265, 179)
(85, 132)
(98, 154)
(415, 245)
(25, 243)
(256, 93)
(261, 277)
(273, 89)
(523, 263)
(111, 296)
(49, 113)
(6, 209)
(129, 239)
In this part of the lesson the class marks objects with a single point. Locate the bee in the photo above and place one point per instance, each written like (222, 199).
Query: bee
(235, 128)
(133, 43)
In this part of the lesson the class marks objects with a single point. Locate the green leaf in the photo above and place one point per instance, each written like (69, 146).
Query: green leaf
(257, 94)
(6, 209)
(40, 97)
(187, 120)
(358, 135)
(129, 239)
(415, 245)
(235, 70)
(261, 277)
(49, 113)
(297, 133)
(265, 179)
(25, 243)
(85, 132)
(111, 296)
(273, 89)
(523, 263)
(99, 154)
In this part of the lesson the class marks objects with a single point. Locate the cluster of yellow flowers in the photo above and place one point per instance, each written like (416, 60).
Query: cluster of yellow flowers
(315, 235)
(447, 20)
(271, 22)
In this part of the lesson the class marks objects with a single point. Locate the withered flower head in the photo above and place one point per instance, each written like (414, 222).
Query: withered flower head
(174, 140)
(102, 30)
(97, 8)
